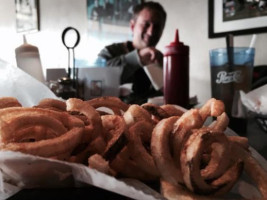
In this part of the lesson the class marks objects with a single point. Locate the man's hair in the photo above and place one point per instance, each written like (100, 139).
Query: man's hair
(151, 6)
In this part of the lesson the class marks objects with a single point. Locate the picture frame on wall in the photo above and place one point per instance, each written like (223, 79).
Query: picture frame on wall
(27, 16)
(237, 17)
(116, 12)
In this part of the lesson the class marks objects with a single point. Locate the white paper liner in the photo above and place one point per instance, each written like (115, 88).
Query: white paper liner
(256, 100)
(17, 83)
(20, 171)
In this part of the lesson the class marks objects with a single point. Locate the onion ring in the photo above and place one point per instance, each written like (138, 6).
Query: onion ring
(6, 102)
(64, 156)
(109, 102)
(228, 179)
(160, 151)
(155, 110)
(212, 107)
(221, 123)
(113, 125)
(97, 162)
(173, 110)
(92, 115)
(136, 113)
(14, 126)
(15, 117)
(50, 147)
(35, 133)
(242, 141)
(115, 128)
(174, 192)
(139, 134)
(181, 131)
(53, 104)
(193, 176)
(132, 170)
(94, 138)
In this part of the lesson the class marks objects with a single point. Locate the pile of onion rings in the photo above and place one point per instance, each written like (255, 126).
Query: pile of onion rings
(197, 161)
(167, 144)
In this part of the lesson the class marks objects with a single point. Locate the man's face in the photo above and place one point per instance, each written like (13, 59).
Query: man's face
(147, 29)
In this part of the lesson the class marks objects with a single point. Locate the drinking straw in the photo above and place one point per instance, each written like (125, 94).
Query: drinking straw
(253, 40)
(230, 54)
(230, 49)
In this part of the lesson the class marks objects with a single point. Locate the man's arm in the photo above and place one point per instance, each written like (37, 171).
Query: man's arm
(118, 55)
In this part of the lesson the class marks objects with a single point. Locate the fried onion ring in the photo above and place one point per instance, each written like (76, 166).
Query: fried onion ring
(77, 105)
(221, 123)
(113, 125)
(174, 192)
(155, 110)
(186, 152)
(132, 170)
(139, 135)
(6, 102)
(19, 117)
(94, 134)
(228, 179)
(50, 147)
(97, 162)
(35, 133)
(53, 104)
(161, 153)
(173, 110)
(136, 113)
(212, 107)
(113, 103)
(181, 131)
(195, 177)
(242, 141)
(14, 126)
(115, 128)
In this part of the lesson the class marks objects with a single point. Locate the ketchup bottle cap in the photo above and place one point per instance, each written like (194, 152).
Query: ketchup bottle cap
(176, 41)
(176, 47)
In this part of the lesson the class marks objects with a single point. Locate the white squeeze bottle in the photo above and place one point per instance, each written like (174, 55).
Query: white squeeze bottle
(28, 59)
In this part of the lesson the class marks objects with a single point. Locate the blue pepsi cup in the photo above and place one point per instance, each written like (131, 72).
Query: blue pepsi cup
(227, 79)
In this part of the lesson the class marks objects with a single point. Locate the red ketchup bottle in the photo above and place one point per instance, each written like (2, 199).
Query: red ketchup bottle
(176, 73)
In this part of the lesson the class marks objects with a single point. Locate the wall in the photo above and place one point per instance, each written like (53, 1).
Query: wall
(55, 15)
(189, 16)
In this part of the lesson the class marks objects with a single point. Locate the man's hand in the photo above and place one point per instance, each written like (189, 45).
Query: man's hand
(150, 55)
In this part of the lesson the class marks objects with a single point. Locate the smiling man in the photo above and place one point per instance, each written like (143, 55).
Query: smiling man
(147, 25)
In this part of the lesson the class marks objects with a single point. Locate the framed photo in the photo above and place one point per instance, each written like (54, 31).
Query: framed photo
(238, 17)
(117, 12)
(27, 15)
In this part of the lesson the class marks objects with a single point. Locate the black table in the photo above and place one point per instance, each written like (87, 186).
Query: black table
(67, 194)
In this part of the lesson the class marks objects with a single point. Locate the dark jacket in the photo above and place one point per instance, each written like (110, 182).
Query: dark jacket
(124, 55)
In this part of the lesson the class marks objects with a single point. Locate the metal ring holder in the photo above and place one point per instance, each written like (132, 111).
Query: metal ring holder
(71, 50)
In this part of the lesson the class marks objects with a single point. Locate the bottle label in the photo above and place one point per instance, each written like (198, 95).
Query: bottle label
(228, 77)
